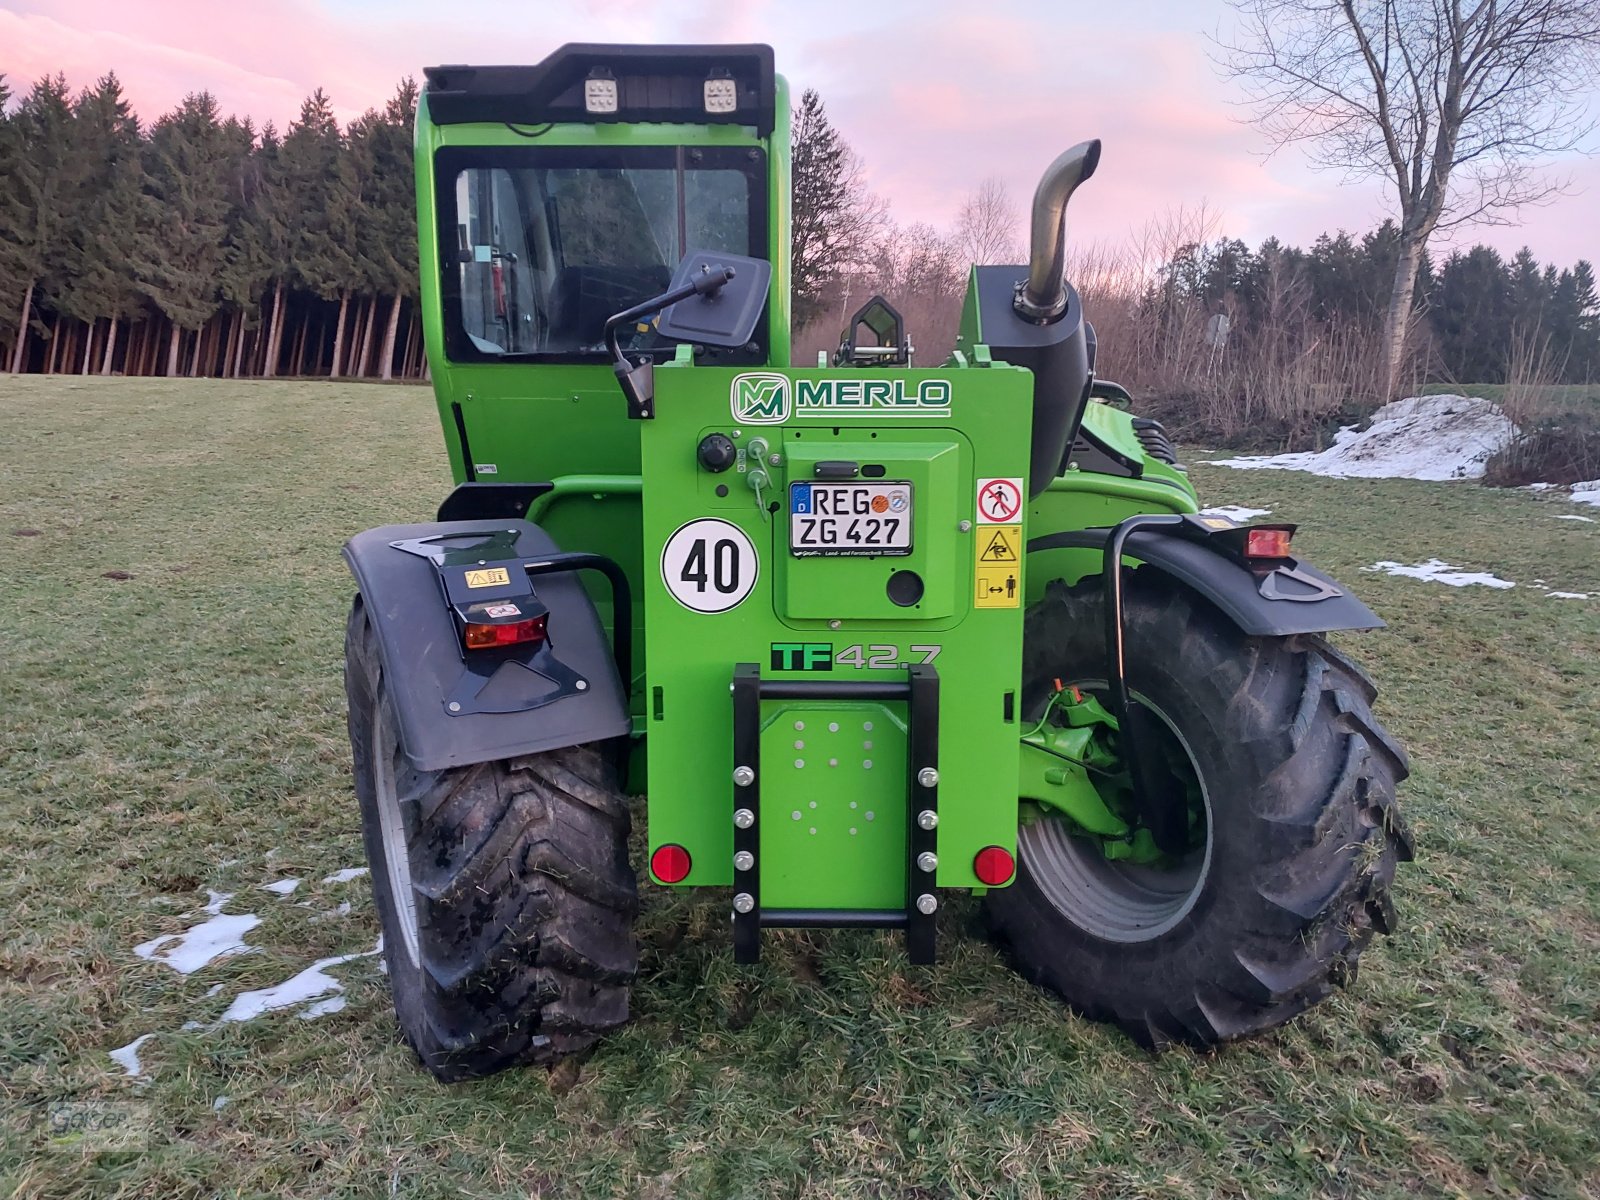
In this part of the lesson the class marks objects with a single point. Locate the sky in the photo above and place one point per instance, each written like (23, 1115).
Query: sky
(934, 96)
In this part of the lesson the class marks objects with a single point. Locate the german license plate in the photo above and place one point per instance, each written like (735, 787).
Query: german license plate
(834, 519)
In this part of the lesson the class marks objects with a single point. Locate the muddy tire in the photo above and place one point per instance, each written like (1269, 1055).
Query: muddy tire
(503, 890)
(1301, 831)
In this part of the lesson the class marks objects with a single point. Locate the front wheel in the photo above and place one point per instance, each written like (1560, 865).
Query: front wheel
(1294, 830)
(503, 890)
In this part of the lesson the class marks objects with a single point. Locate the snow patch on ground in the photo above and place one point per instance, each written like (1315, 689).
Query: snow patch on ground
(314, 981)
(1570, 595)
(1421, 437)
(1587, 492)
(204, 943)
(283, 887)
(345, 875)
(1234, 512)
(127, 1057)
(1437, 571)
(1573, 517)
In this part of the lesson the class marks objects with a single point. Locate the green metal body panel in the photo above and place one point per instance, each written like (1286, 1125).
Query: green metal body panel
(834, 772)
(976, 651)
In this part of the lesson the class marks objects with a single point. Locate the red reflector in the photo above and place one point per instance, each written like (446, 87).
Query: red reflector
(670, 863)
(487, 637)
(1266, 543)
(994, 865)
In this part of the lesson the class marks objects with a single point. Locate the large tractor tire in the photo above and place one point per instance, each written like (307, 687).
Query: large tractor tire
(503, 890)
(1290, 864)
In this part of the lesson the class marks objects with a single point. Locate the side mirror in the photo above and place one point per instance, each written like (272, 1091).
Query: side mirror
(715, 299)
(724, 317)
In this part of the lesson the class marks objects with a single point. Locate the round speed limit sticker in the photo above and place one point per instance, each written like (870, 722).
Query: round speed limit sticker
(709, 566)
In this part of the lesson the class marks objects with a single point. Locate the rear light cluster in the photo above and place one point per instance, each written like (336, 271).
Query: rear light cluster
(512, 633)
(1267, 543)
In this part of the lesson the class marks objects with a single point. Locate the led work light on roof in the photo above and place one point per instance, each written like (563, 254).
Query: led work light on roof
(600, 92)
(722, 94)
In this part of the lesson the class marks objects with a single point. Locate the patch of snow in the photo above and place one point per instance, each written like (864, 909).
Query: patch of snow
(1573, 517)
(1438, 571)
(213, 990)
(345, 875)
(220, 1103)
(1537, 487)
(1421, 437)
(127, 1057)
(204, 943)
(322, 1008)
(284, 887)
(1234, 512)
(1587, 492)
(314, 981)
(1570, 595)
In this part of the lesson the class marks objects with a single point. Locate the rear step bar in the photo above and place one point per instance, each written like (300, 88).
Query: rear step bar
(920, 691)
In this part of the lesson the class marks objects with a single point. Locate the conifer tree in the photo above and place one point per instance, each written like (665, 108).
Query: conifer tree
(103, 217)
(40, 182)
(182, 250)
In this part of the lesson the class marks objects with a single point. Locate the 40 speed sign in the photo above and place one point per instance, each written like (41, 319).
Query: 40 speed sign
(709, 566)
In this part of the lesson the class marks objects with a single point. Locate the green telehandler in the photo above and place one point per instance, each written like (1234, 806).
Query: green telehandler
(864, 633)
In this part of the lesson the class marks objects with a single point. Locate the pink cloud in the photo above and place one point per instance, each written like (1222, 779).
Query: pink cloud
(934, 97)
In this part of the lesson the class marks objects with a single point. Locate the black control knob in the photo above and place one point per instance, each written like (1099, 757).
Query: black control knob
(717, 452)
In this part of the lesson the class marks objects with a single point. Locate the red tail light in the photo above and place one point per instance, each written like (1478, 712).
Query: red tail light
(490, 637)
(994, 865)
(670, 863)
(1266, 543)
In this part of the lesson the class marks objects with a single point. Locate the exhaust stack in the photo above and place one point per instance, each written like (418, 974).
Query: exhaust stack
(1043, 297)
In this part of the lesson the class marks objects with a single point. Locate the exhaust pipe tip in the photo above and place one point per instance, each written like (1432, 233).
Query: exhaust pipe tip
(1042, 297)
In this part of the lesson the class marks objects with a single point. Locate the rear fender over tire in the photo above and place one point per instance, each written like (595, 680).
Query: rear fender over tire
(421, 653)
(1302, 830)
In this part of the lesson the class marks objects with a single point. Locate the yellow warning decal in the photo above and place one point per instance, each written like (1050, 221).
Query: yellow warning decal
(488, 577)
(998, 566)
(1218, 522)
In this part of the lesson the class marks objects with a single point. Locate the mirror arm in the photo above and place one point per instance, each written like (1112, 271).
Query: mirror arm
(638, 383)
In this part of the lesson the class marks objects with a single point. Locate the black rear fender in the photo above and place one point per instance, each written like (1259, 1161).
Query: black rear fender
(523, 700)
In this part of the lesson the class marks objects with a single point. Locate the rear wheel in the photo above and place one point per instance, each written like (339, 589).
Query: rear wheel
(1294, 832)
(503, 890)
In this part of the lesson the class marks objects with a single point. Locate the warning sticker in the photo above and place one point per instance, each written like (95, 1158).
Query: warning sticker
(1000, 546)
(488, 577)
(999, 587)
(997, 566)
(999, 501)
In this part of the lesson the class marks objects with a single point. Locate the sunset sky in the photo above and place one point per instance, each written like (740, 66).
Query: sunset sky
(934, 97)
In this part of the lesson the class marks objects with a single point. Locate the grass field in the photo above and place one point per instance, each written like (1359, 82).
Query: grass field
(1553, 396)
(182, 728)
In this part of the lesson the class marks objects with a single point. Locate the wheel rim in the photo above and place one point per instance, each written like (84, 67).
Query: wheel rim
(396, 860)
(1115, 900)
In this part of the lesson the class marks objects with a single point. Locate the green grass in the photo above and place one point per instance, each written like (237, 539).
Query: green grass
(184, 729)
(1556, 396)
